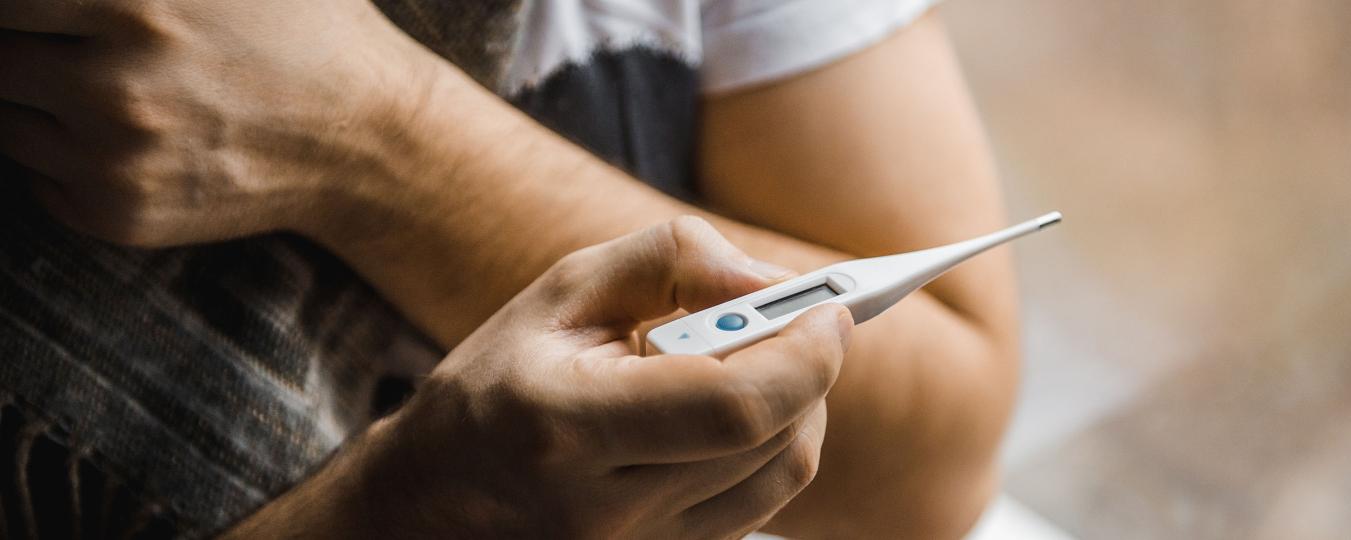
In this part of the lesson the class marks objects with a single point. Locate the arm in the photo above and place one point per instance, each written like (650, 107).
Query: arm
(476, 188)
(393, 159)
(882, 153)
(175, 122)
(899, 165)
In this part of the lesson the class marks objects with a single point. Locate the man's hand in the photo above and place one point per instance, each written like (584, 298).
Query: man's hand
(545, 423)
(156, 122)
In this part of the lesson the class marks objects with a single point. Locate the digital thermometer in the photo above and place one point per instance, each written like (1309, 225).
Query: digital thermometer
(866, 286)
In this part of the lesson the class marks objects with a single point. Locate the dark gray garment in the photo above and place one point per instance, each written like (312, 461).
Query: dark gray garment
(208, 378)
(170, 392)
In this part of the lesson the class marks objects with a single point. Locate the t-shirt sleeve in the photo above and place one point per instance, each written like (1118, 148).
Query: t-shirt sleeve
(748, 42)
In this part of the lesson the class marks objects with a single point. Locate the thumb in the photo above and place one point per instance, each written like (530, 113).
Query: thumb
(684, 263)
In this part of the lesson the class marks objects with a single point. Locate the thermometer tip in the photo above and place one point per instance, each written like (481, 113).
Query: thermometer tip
(1048, 220)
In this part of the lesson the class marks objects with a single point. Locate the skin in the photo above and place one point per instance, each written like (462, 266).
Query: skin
(674, 446)
(903, 164)
(171, 122)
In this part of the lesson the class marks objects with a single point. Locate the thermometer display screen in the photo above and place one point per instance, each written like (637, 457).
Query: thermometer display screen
(796, 301)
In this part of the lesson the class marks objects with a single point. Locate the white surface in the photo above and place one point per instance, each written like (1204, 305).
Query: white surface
(1006, 519)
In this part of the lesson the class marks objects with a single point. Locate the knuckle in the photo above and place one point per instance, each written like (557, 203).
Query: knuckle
(819, 360)
(131, 188)
(140, 106)
(143, 20)
(136, 111)
(688, 234)
(786, 436)
(573, 265)
(568, 273)
(688, 229)
(801, 462)
(742, 416)
(823, 366)
(126, 171)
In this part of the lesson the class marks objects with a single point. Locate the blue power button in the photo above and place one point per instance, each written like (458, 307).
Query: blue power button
(730, 322)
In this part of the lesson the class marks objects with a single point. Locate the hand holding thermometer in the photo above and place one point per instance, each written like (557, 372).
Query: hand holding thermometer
(866, 286)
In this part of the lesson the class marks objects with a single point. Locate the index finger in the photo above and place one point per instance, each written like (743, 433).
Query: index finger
(683, 263)
(674, 409)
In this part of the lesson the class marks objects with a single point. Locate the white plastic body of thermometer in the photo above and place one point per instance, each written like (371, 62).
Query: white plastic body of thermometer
(866, 286)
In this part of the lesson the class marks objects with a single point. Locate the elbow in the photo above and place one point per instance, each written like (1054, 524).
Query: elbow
(911, 450)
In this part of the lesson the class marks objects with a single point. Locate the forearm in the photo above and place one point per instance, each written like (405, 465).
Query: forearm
(882, 153)
(397, 479)
(338, 502)
(473, 200)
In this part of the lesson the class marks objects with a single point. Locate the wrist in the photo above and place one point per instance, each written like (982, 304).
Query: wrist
(421, 188)
(419, 475)
(358, 167)
(344, 500)
(400, 148)
(378, 485)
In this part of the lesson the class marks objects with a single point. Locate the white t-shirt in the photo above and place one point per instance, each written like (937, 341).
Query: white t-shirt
(733, 43)
(625, 78)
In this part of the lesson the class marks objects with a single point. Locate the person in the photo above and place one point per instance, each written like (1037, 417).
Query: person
(816, 130)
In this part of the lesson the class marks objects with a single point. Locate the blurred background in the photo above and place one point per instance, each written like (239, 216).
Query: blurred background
(1188, 348)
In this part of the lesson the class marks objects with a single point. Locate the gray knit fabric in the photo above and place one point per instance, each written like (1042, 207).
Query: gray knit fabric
(212, 377)
(203, 380)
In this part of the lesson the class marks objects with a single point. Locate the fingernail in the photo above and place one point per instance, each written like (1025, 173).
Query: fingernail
(769, 270)
(846, 324)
